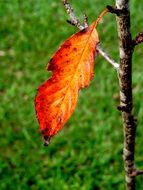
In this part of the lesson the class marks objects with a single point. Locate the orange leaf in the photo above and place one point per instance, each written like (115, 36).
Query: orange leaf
(72, 69)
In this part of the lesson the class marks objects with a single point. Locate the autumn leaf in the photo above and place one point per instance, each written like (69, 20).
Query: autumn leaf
(72, 69)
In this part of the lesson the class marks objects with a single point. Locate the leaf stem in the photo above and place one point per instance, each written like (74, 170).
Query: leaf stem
(75, 21)
(101, 15)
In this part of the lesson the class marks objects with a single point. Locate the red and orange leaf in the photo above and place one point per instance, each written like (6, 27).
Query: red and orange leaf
(72, 69)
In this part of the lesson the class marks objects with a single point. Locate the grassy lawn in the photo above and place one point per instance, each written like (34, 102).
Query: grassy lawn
(87, 153)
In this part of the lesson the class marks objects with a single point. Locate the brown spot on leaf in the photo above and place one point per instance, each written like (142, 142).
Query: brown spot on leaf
(74, 49)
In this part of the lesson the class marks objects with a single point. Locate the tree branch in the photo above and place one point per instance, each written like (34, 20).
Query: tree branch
(74, 21)
(125, 81)
(107, 57)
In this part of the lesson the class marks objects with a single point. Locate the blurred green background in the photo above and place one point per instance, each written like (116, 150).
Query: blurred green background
(87, 153)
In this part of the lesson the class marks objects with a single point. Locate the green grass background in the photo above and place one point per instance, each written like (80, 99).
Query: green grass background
(87, 153)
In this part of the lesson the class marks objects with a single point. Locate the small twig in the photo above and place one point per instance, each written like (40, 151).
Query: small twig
(74, 21)
(136, 172)
(118, 12)
(107, 57)
(85, 21)
(138, 39)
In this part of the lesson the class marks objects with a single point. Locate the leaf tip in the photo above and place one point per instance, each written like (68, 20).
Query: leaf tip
(47, 140)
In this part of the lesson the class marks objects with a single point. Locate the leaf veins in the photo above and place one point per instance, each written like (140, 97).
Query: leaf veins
(72, 69)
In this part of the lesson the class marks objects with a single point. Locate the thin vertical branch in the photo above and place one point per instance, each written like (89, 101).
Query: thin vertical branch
(125, 80)
(124, 70)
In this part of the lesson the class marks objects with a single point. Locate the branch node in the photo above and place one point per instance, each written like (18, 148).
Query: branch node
(126, 152)
(118, 12)
(70, 22)
(136, 172)
(85, 21)
(122, 108)
(138, 39)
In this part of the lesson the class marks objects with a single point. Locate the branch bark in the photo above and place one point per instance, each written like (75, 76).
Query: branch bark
(125, 81)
